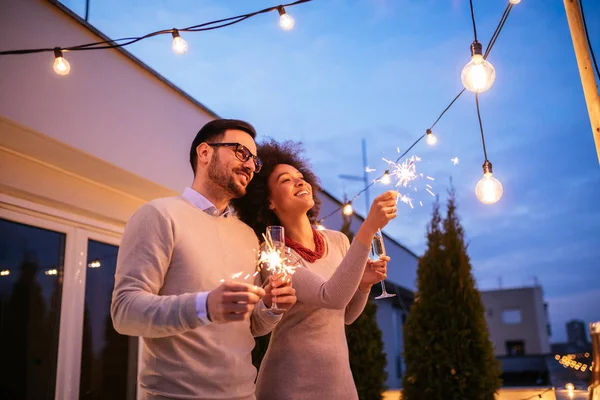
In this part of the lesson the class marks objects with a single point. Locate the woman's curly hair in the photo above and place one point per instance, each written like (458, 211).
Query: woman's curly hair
(253, 208)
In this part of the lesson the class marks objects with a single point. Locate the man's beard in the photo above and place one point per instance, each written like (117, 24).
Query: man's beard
(221, 178)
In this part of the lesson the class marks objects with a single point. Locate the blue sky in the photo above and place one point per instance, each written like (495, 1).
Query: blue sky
(383, 70)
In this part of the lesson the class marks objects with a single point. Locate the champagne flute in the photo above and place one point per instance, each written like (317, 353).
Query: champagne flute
(276, 245)
(378, 250)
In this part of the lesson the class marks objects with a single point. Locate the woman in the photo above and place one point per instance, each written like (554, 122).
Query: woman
(307, 356)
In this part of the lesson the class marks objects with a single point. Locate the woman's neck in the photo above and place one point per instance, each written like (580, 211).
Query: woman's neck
(298, 229)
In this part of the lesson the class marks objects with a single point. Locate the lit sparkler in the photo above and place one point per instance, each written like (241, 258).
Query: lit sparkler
(271, 258)
(406, 175)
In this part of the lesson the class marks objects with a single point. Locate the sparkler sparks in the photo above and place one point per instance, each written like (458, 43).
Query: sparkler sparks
(406, 175)
(272, 259)
(405, 172)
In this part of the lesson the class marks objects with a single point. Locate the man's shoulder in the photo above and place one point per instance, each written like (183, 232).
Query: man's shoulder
(163, 206)
(243, 229)
(166, 202)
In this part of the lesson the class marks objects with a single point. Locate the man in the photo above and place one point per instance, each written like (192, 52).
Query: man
(173, 257)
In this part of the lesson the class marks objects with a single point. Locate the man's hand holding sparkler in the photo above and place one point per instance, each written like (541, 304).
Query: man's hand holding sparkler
(232, 301)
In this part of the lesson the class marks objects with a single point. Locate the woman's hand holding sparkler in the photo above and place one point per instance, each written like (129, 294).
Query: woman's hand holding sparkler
(382, 211)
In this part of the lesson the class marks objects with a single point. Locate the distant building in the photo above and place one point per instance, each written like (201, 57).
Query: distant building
(576, 333)
(520, 332)
(518, 321)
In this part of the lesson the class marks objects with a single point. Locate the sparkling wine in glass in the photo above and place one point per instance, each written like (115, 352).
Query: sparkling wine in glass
(276, 237)
(378, 250)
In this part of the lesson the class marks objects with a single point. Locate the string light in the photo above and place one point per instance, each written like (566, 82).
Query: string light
(179, 46)
(348, 210)
(320, 226)
(474, 80)
(479, 74)
(5, 272)
(539, 395)
(489, 189)
(61, 66)
(95, 264)
(489, 48)
(51, 272)
(431, 139)
(386, 179)
(285, 21)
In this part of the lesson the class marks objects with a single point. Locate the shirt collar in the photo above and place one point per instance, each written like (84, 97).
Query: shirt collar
(203, 203)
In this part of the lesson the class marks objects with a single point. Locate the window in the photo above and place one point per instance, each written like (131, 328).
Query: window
(56, 336)
(108, 359)
(515, 348)
(31, 275)
(512, 316)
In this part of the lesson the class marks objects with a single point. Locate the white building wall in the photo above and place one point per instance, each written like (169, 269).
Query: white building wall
(108, 106)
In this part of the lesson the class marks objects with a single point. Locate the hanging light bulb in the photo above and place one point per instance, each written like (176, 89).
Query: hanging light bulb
(489, 189)
(179, 45)
(386, 179)
(348, 210)
(431, 139)
(61, 66)
(514, 1)
(479, 74)
(285, 21)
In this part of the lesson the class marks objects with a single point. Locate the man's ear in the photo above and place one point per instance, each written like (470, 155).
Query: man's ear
(204, 153)
(271, 206)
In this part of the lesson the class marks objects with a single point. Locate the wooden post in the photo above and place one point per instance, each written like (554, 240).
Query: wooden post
(586, 71)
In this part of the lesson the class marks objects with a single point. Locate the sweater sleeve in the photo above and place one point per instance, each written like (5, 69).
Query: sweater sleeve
(356, 306)
(143, 261)
(337, 291)
(262, 321)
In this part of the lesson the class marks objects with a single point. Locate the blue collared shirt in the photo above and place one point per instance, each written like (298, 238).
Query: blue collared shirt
(204, 204)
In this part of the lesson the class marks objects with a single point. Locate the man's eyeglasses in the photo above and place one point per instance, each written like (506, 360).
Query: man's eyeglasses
(242, 153)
